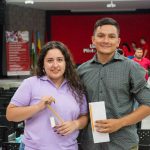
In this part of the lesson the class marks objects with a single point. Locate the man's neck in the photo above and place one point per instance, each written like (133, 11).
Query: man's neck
(139, 59)
(104, 58)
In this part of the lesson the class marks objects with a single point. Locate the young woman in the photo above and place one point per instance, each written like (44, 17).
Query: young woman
(56, 80)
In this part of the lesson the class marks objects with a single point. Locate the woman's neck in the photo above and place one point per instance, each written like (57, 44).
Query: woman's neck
(58, 83)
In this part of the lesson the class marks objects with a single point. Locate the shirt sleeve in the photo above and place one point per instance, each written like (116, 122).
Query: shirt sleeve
(83, 107)
(22, 95)
(139, 86)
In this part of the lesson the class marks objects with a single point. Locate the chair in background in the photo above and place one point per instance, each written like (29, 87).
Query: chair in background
(144, 139)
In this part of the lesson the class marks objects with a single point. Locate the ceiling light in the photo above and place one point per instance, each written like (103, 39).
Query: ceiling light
(111, 4)
(29, 2)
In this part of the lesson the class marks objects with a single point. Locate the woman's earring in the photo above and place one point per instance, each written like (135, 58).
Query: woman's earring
(44, 71)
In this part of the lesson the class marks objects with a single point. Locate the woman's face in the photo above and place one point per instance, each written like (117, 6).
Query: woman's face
(54, 65)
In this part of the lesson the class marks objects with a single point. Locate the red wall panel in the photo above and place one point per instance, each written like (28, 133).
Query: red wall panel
(76, 30)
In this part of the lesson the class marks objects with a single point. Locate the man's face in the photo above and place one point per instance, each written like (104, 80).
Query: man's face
(142, 41)
(139, 53)
(106, 39)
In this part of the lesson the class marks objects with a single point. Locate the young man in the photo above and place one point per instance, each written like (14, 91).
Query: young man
(144, 62)
(145, 48)
(116, 80)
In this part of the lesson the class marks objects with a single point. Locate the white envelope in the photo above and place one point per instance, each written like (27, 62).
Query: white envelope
(52, 121)
(145, 124)
(98, 112)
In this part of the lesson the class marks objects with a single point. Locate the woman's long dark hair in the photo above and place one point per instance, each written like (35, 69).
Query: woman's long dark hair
(70, 74)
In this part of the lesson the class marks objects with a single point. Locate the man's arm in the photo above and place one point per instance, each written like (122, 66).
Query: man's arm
(145, 52)
(112, 125)
(136, 116)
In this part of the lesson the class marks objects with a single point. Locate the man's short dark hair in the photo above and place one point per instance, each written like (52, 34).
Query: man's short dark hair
(106, 21)
(139, 48)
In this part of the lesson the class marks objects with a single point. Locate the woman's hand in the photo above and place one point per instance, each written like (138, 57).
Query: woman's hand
(108, 126)
(67, 127)
(44, 101)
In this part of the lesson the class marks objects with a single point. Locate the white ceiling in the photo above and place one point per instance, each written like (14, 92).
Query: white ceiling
(84, 5)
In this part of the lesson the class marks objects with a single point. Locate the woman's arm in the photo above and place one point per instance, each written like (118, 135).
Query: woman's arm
(81, 122)
(20, 113)
(17, 113)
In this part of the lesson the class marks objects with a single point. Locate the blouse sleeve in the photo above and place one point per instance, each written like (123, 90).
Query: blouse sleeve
(22, 95)
(83, 107)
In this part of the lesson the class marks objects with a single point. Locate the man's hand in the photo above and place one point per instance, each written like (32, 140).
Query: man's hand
(108, 126)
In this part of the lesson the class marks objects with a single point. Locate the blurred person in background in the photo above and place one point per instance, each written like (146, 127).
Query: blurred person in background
(128, 52)
(144, 62)
(145, 47)
(133, 46)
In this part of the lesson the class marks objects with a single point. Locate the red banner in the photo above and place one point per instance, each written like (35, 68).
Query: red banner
(18, 55)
